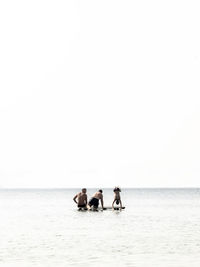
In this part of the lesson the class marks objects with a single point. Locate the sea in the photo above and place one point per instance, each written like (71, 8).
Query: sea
(43, 228)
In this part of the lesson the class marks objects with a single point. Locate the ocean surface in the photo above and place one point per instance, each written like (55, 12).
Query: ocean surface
(158, 228)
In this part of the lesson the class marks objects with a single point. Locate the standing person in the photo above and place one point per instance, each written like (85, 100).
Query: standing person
(94, 201)
(82, 199)
(117, 197)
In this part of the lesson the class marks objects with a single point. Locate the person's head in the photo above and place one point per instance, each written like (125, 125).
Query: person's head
(117, 189)
(84, 190)
(101, 191)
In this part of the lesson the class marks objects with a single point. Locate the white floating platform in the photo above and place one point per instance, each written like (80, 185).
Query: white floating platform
(105, 208)
(110, 208)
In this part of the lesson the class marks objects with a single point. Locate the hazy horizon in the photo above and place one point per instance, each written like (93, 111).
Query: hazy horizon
(79, 188)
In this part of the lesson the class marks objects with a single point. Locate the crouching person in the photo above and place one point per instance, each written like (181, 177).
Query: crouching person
(81, 199)
(94, 201)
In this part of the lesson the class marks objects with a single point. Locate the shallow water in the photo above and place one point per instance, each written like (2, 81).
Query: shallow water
(159, 227)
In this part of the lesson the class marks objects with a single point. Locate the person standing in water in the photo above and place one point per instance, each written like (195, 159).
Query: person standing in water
(117, 197)
(94, 201)
(81, 199)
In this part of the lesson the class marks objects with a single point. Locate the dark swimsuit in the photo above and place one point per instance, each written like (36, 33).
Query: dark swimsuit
(117, 201)
(93, 202)
(82, 206)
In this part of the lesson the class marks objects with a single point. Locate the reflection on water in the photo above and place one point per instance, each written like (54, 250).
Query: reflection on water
(43, 228)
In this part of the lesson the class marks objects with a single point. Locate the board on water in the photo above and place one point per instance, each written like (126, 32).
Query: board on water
(115, 208)
(105, 208)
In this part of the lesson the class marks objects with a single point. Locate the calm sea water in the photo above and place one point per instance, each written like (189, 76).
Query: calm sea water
(159, 227)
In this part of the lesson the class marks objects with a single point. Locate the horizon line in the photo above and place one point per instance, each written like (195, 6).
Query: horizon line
(64, 188)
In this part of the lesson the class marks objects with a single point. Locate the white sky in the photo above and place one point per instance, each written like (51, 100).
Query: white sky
(99, 93)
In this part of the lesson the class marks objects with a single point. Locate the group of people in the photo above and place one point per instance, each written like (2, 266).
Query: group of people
(81, 199)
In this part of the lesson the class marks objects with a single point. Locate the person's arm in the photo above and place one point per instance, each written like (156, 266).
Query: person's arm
(75, 199)
(102, 202)
(113, 204)
(86, 200)
(120, 204)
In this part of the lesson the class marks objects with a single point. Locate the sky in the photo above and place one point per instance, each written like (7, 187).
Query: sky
(99, 93)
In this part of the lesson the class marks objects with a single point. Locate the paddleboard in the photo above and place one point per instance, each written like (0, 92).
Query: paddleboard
(105, 208)
(115, 208)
